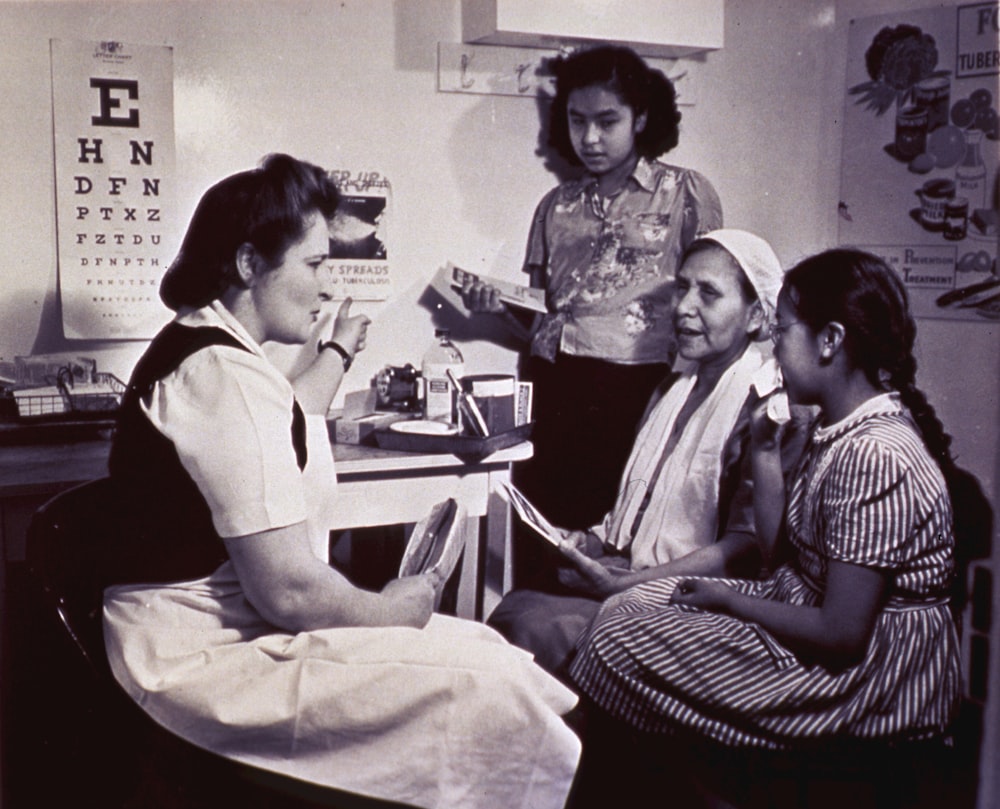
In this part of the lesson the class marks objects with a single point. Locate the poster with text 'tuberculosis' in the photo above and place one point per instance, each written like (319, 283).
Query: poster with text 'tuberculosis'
(919, 181)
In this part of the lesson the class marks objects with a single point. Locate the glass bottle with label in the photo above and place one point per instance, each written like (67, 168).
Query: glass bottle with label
(439, 393)
(970, 176)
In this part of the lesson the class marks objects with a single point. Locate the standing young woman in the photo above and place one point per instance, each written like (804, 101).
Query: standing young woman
(605, 247)
(225, 623)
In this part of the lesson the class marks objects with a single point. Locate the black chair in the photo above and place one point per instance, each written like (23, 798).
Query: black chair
(111, 754)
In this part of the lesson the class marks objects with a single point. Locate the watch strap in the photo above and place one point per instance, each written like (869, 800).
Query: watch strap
(333, 344)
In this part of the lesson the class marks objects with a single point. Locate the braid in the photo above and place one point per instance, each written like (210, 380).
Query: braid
(861, 292)
(858, 290)
(902, 375)
(931, 429)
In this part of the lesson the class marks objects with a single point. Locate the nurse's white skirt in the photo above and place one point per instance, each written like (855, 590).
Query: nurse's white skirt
(450, 715)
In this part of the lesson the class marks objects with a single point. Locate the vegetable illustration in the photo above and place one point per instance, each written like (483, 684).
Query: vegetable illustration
(897, 59)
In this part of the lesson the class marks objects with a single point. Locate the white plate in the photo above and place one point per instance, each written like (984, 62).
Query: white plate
(423, 427)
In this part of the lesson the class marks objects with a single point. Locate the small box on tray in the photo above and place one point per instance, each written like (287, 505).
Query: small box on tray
(359, 420)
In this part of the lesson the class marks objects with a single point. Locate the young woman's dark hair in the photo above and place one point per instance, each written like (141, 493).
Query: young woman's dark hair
(620, 69)
(863, 294)
(268, 207)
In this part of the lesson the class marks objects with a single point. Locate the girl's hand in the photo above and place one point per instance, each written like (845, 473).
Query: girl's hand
(765, 434)
(703, 594)
(479, 297)
(350, 331)
(412, 600)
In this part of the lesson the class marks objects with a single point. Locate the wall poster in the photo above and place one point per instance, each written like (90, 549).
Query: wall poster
(919, 178)
(112, 107)
(359, 249)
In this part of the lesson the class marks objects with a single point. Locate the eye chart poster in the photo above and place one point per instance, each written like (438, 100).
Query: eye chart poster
(114, 166)
(919, 181)
(359, 247)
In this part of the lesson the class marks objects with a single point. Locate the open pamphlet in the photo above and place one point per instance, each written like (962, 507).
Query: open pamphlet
(525, 297)
(529, 514)
(436, 544)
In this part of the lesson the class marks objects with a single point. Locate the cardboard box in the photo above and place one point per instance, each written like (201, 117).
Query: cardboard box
(359, 430)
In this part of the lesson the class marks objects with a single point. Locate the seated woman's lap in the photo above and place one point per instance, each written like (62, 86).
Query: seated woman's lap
(544, 624)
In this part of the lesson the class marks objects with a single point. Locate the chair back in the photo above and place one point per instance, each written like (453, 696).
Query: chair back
(67, 538)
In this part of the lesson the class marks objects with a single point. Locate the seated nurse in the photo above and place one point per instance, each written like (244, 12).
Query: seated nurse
(684, 504)
(224, 621)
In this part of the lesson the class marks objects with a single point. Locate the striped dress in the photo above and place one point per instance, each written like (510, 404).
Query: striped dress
(866, 493)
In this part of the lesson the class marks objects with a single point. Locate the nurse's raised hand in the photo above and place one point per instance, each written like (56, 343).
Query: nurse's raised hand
(350, 331)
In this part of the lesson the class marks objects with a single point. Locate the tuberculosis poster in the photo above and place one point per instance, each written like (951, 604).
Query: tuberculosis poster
(359, 236)
(919, 183)
(114, 165)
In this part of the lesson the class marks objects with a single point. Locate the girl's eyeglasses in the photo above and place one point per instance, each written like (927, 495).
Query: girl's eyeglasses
(776, 330)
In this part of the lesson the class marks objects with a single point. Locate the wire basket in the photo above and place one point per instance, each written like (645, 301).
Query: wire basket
(97, 399)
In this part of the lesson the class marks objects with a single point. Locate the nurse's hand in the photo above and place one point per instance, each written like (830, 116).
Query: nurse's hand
(411, 600)
(350, 331)
(481, 298)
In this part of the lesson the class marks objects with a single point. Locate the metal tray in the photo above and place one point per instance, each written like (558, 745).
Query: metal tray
(469, 448)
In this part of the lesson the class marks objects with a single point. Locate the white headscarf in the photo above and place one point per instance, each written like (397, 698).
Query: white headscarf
(756, 259)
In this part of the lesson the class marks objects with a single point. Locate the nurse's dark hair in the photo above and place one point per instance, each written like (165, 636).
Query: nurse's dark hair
(864, 295)
(269, 207)
(620, 69)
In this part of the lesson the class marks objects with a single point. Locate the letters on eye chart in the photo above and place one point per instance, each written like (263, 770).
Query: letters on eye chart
(114, 171)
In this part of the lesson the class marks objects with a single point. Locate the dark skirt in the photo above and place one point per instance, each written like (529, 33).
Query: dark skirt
(586, 414)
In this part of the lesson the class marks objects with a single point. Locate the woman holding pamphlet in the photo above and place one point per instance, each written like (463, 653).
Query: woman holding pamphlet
(604, 247)
(848, 650)
(684, 503)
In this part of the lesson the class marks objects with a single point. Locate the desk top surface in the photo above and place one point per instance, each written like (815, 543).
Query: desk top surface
(29, 468)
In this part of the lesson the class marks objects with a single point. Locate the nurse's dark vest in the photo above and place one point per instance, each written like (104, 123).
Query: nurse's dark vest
(163, 531)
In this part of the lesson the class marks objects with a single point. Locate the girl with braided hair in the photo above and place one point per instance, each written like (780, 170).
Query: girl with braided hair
(850, 638)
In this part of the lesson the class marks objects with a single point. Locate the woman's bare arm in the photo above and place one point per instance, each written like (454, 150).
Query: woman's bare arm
(834, 634)
(296, 591)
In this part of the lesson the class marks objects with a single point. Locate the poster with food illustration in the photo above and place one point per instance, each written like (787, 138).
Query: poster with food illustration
(359, 252)
(919, 176)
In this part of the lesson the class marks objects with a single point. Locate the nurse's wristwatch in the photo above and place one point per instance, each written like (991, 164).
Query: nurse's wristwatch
(332, 344)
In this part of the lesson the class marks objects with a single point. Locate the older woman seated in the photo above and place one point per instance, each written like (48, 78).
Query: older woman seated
(685, 502)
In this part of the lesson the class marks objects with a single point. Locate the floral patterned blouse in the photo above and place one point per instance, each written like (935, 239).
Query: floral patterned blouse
(610, 262)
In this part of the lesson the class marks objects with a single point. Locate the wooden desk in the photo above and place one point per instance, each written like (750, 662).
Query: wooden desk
(375, 487)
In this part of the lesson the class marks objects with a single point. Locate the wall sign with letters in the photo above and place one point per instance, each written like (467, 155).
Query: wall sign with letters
(360, 253)
(114, 169)
(919, 177)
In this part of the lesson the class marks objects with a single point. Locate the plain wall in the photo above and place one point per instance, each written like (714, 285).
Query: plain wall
(352, 85)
